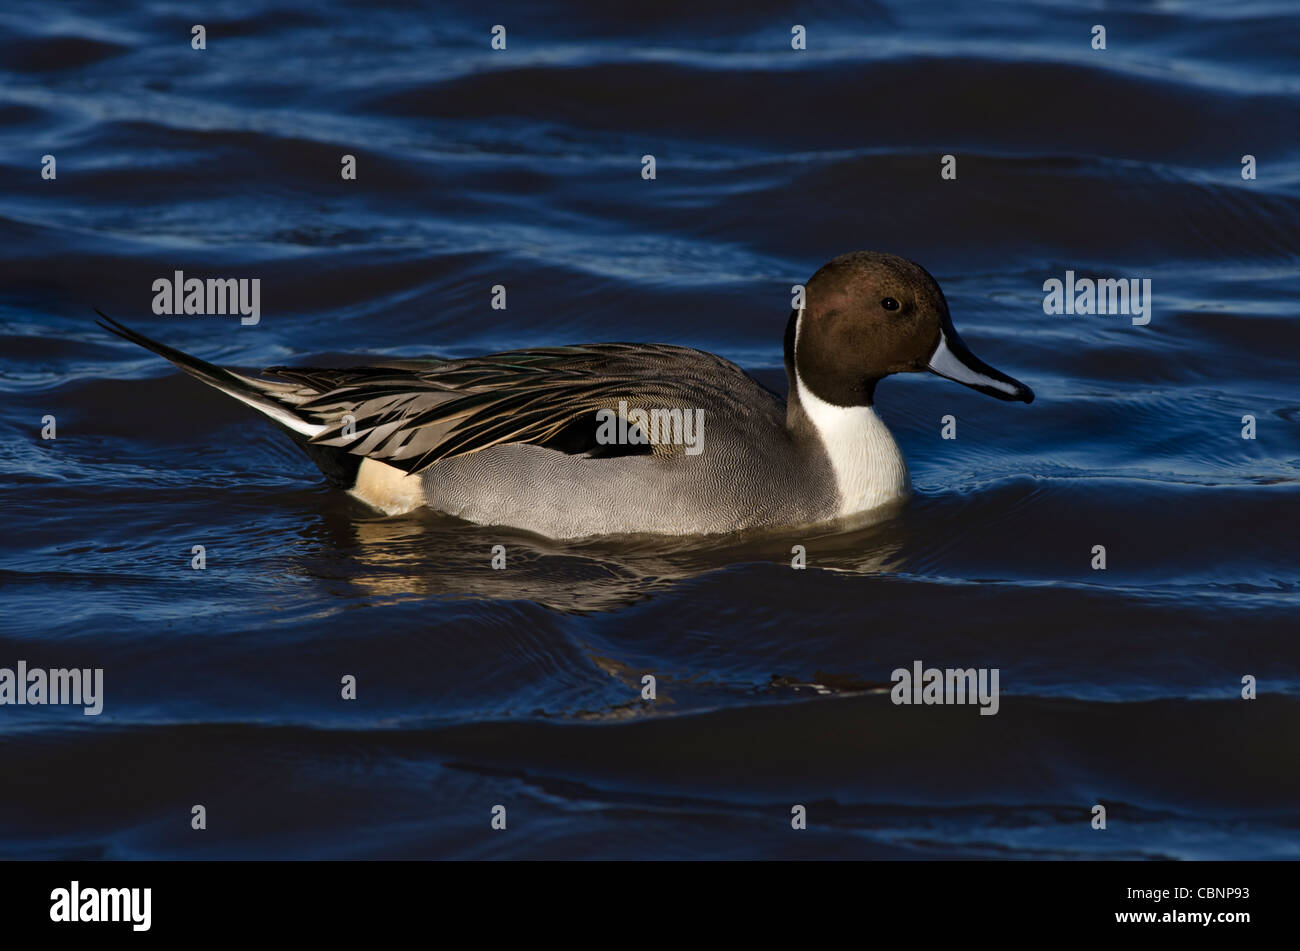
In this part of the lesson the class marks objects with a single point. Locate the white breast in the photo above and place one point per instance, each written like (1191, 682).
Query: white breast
(869, 468)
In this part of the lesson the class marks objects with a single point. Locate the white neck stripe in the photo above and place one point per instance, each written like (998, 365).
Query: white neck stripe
(868, 466)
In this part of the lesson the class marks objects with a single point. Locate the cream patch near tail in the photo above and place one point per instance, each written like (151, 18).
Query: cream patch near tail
(387, 488)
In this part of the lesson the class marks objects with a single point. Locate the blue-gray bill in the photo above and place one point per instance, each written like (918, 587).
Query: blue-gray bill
(953, 360)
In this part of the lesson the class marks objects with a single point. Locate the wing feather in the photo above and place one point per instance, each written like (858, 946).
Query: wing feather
(412, 416)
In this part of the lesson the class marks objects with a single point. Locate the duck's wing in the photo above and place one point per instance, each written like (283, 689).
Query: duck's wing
(411, 414)
(414, 415)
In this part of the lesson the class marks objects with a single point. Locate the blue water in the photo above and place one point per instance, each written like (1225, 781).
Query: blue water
(522, 687)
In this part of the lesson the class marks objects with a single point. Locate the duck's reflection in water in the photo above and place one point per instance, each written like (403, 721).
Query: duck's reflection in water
(426, 554)
(368, 559)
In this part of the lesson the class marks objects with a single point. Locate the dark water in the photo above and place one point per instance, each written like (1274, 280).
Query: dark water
(522, 687)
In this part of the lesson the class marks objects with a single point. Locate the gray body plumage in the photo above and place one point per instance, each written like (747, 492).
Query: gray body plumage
(752, 470)
(510, 438)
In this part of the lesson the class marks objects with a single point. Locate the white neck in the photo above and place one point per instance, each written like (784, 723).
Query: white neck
(869, 469)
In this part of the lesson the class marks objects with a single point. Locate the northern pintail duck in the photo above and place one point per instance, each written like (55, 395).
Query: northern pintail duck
(550, 440)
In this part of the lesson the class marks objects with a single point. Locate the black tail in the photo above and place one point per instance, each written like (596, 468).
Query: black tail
(209, 373)
(338, 465)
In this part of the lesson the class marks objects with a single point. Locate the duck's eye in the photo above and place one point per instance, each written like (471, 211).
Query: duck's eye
(889, 304)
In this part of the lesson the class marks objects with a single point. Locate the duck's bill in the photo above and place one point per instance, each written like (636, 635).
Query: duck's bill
(952, 360)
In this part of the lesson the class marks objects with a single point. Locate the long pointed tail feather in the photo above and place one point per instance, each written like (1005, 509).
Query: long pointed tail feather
(339, 466)
(254, 393)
